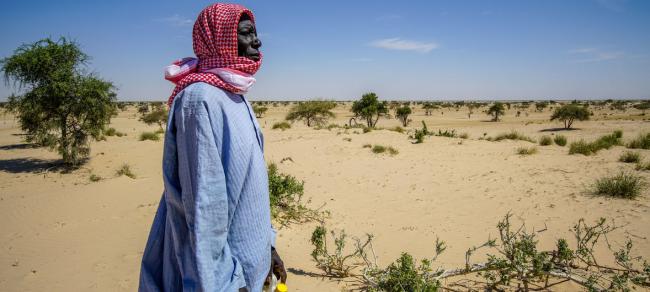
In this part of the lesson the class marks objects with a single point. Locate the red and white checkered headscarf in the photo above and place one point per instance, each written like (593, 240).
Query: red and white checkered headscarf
(215, 44)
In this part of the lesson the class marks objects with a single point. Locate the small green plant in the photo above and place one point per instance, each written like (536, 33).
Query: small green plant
(94, 178)
(526, 150)
(623, 185)
(378, 149)
(125, 169)
(640, 142)
(367, 146)
(405, 275)
(397, 129)
(604, 142)
(110, 132)
(419, 135)
(642, 166)
(336, 263)
(153, 136)
(392, 151)
(285, 193)
(630, 157)
(513, 135)
(545, 141)
(560, 140)
(281, 125)
(447, 133)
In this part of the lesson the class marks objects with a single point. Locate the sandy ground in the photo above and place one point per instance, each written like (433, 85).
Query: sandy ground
(61, 232)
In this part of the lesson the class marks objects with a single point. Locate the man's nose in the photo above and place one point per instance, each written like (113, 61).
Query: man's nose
(256, 43)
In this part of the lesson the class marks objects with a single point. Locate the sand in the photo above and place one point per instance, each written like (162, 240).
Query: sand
(62, 232)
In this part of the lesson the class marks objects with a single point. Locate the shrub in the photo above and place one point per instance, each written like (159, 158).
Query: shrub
(545, 141)
(623, 185)
(642, 166)
(367, 130)
(569, 113)
(392, 151)
(560, 140)
(581, 147)
(335, 263)
(149, 136)
(378, 149)
(447, 133)
(367, 146)
(285, 193)
(62, 107)
(404, 275)
(463, 136)
(397, 129)
(312, 112)
(281, 125)
(157, 116)
(419, 135)
(513, 135)
(604, 142)
(94, 178)
(110, 132)
(630, 157)
(526, 150)
(125, 169)
(641, 142)
(259, 111)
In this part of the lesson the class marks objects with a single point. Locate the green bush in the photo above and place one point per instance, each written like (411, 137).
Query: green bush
(560, 140)
(404, 275)
(378, 149)
(545, 141)
(623, 185)
(641, 142)
(526, 150)
(630, 157)
(446, 133)
(643, 165)
(513, 135)
(153, 136)
(94, 178)
(285, 193)
(281, 125)
(604, 142)
(110, 132)
(419, 135)
(125, 169)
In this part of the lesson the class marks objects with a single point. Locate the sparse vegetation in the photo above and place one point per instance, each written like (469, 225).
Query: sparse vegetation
(112, 132)
(642, 165)
(378, 149)
(286, 193)
(94, 178)
(560, 140)
(513, 135)
(604, 142)
(463, 136)
(570, 113)
(446, 133)
(397, 129)
(545, 141)
(125, 169)
(623, 185)
(157, 116)
(281, 125)
(367, 146)
(335, 263)
(526, 150)
(312, 112)
(259, 111)
(630, 157)
(640, 142)
(419, 135)
(152, 136)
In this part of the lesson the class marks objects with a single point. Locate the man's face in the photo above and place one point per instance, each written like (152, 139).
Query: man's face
(247, 42)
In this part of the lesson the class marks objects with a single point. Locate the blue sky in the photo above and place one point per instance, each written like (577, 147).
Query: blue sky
(552, 49)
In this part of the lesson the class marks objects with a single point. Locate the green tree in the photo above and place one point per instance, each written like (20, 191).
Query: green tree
(259, 110)
(157, 116)
(402, 114)
(314, 111)
(62, 105)
(569, 113)
(496, 110)
(540, 106)
(370, 108)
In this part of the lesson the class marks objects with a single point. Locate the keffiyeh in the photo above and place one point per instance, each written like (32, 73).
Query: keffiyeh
(215, 44)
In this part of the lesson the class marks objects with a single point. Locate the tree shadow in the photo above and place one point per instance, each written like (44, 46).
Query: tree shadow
(301, 272)
(558, 129)
(31, 165)
(18, 146)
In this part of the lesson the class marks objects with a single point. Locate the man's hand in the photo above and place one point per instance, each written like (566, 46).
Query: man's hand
(277, 267)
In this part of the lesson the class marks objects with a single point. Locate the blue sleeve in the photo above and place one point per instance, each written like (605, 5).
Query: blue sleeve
(205, 199)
